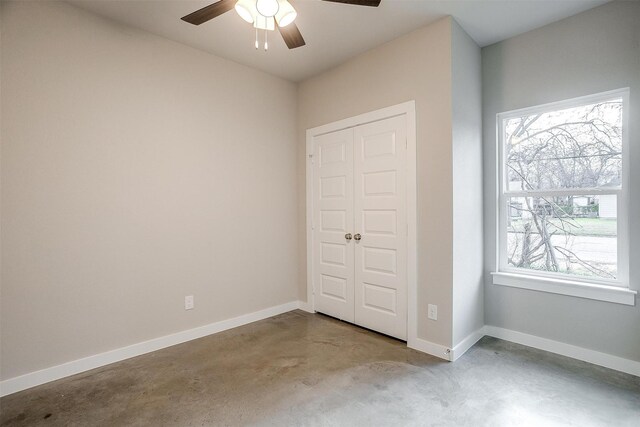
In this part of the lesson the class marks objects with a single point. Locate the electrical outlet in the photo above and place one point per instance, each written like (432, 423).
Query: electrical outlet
(188, 302)
(433, 312)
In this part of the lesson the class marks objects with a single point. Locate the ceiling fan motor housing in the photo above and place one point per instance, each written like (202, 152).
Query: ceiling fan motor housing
(265, 15)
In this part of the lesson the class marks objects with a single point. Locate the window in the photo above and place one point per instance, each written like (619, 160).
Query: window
(562, 194)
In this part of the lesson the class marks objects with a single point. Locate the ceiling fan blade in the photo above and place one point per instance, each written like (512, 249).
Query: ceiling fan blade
(372, 3)
(209, 12)
(291, 35)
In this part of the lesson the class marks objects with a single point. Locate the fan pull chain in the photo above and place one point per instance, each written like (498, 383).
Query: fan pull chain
(257, 44)
(266, 42)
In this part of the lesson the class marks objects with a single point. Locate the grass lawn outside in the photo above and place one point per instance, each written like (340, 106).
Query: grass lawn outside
(595, 227)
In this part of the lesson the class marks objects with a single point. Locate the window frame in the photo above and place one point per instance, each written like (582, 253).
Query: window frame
(541, 280)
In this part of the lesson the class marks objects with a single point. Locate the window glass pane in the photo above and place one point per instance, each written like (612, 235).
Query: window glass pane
(577, 147)
(574, 235)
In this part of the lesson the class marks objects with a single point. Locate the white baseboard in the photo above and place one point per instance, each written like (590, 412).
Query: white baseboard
(597, 358)
(429, 347)
(466, 344)
(306, 306)
(32, 379)
(586, 355)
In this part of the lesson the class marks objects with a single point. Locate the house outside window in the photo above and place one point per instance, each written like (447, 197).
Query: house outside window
(562, 213)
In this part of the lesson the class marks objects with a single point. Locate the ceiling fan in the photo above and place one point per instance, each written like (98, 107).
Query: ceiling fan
(265, 15)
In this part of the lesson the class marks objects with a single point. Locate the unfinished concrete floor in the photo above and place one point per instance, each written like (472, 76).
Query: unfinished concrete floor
(304, 369)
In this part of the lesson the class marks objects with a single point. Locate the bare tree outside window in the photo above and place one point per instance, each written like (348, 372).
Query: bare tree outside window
(551, 162)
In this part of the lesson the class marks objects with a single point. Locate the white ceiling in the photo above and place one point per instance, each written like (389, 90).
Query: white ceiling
(333, 32)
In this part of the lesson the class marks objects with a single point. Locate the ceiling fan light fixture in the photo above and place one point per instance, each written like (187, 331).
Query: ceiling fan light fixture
(265, 23)
(247, 10)
(267, 8)
(286, 13)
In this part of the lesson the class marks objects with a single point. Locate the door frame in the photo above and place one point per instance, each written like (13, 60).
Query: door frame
(407, 109)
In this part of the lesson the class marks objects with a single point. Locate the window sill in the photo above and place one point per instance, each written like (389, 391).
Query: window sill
(613, 294)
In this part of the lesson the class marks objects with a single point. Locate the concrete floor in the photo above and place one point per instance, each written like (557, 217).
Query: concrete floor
(303, 369)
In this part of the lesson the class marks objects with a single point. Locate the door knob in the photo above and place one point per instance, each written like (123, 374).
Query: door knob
(347, 236)
(357, 236)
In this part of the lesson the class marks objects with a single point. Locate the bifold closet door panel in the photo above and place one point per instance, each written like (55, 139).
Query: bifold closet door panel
(381, 220)
(333, 219)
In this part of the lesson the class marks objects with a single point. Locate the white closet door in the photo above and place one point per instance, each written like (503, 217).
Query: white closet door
(381, 219)
(333, 219)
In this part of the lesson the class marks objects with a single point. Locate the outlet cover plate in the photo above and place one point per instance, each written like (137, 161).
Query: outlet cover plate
(188, 302)
(432, 312)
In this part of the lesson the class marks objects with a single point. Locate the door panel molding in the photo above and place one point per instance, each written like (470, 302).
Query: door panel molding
(381, 261)
(333, 274)
(376, 150)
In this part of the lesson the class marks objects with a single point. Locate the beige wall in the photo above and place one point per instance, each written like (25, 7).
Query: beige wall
(134, 171)
(414, 67)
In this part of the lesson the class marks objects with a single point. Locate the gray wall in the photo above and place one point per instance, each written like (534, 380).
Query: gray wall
(135, 171)
(468, 290)
(595, 51)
